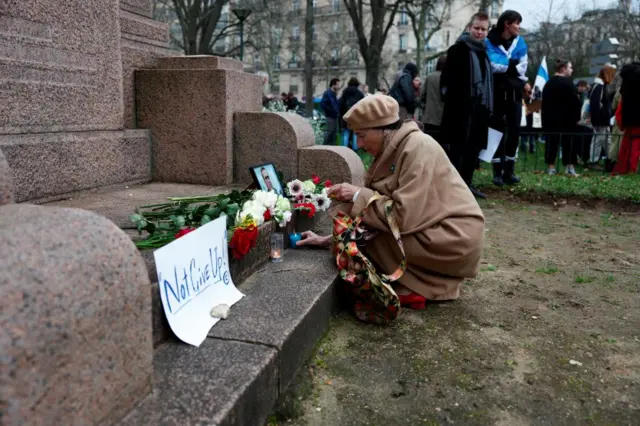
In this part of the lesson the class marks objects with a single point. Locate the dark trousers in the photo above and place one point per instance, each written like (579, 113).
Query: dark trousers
(465, 159)
(570, 143)
(507, 113)
(436, 133)
(332, 131)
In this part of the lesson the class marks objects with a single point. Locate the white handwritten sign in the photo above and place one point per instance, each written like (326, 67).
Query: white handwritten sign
(193, 276)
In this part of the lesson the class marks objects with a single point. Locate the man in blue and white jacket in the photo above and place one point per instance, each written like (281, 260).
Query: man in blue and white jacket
(507, 52)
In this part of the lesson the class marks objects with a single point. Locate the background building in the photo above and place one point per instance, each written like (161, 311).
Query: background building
(275, 36)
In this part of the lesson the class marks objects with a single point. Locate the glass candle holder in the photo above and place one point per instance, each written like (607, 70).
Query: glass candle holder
(277, 247)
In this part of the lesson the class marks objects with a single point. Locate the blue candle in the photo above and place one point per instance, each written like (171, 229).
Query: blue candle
(294, 238)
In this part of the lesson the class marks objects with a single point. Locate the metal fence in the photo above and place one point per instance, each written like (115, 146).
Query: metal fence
(585, 149)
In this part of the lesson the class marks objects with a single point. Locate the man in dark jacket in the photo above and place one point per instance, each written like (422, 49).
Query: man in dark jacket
(507, 52)
(350, 96)
(560, 115)
(468, 99)
(404, 92)
(331, 108)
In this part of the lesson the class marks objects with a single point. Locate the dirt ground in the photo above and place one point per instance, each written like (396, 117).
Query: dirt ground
(547, 334)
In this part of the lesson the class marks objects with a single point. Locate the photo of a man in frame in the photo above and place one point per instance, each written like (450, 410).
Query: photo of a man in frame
(267, 178)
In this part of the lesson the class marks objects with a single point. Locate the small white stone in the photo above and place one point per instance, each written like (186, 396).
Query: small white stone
(438, 409)
(598, 400)
(534, 317)
(318, 409)
(574, 362)
(220, 311)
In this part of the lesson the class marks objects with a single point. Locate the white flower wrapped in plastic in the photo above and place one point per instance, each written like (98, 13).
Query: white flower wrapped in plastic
(282, 211)
(254, 210)
(267, 198)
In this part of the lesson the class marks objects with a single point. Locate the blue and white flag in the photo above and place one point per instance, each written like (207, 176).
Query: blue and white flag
(543, 75)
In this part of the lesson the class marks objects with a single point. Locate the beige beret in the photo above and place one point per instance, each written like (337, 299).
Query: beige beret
(372, 111)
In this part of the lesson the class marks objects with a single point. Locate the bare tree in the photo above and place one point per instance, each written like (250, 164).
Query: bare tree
(371, 40)
(202, 27)
(427, 18)
(265, 35)
(308, 58)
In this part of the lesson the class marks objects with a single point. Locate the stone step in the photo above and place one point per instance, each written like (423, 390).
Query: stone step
(117, 203)
(249, 359)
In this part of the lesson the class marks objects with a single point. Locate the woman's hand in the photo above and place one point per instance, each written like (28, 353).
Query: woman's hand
(343, 192)
(312, 239)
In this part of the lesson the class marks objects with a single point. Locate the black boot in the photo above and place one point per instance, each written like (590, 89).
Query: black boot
(509, 177)
(477, 193)
(609, 165)
(497, 174)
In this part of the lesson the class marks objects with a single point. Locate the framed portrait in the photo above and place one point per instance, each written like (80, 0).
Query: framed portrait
(266, 178)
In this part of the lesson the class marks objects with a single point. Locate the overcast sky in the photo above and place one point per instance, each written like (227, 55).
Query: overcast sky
(534, 11)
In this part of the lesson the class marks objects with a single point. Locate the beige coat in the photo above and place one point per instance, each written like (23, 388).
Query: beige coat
(441, 223)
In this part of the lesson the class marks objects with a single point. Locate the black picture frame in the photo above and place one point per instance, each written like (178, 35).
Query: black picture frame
(268, 171)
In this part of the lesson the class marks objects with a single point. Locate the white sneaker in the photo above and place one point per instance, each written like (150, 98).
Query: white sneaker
(572, 172)
(551, 171)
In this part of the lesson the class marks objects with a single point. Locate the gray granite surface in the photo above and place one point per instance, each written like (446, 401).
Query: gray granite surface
(218, 383)
(75, 318)
(287, 306)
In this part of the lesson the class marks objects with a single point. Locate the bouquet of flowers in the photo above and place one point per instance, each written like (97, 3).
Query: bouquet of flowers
(245, 212)
(309, 196)
(265, 206)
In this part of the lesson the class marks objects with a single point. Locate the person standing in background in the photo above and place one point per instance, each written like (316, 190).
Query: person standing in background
(507, 52)
(601, 111)
(560, 116)
(466, 86)
(628, 117)
(350, 96)
(431, 103)
(331, 108)
(528, 139)
(403, 91)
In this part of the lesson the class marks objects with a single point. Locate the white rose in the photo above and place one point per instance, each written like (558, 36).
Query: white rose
(286, 218)
(267, 199)
(255, 209)
(308, 187)
(283, 204)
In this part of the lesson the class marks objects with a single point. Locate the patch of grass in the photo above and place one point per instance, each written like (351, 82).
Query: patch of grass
(583, 280)
(610, 278)
(549, 269)
(612, 341)
(588, 185)
(490, 268)
(609, 220)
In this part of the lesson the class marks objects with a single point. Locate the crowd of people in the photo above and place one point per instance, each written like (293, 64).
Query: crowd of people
(481, 83)
(393, 245)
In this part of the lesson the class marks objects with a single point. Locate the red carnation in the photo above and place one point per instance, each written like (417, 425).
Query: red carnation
(183, 232)
(243, 240)
(327, 183)
(315, 179)
(267, 215)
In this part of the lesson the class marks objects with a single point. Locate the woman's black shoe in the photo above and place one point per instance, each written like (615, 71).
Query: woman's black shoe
(477, 193)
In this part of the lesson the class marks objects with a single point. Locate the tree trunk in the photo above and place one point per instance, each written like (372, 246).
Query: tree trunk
(373, 71)
(422, 24)
(308, 59)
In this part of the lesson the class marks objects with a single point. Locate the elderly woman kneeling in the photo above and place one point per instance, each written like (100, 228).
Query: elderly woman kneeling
(441, 224)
